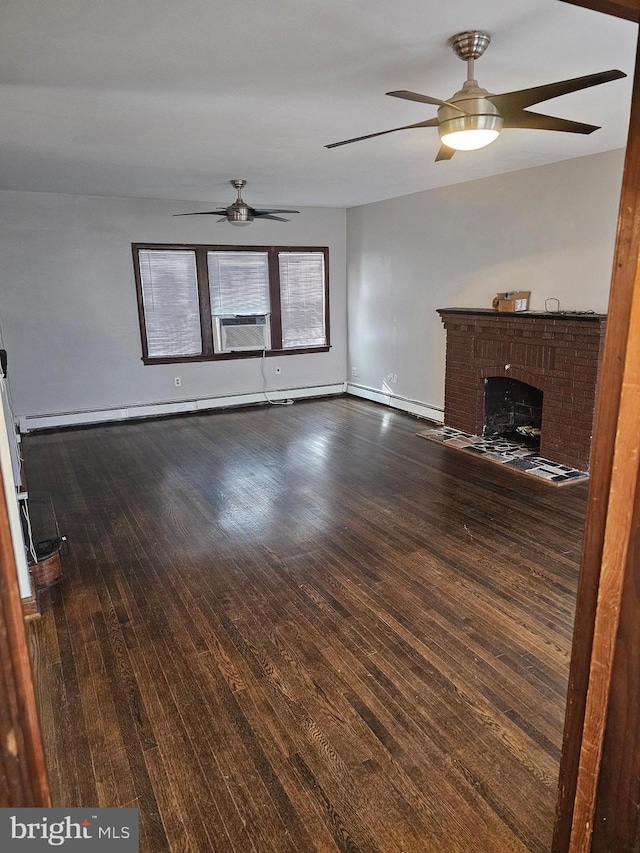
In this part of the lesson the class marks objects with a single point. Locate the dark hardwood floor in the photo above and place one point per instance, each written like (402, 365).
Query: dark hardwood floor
(305, 629)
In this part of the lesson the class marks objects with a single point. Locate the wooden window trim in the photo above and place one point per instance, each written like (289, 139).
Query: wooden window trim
(141, 318)
(230, 356)
(204, 302)
(274, 300)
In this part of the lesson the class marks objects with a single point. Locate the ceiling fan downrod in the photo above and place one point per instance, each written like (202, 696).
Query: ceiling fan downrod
(469, 46)
(239, 184)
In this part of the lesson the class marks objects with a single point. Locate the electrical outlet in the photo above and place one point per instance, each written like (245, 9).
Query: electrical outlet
(392, 377)
(354, 372)
(278, 370)
(177, 382)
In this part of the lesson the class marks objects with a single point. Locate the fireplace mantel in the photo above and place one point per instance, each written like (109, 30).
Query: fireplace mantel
(577, 316)
(558, 353)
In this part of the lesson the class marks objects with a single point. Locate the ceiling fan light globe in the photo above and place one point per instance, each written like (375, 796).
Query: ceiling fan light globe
(240, 221)
(470, 132)
(469, 140)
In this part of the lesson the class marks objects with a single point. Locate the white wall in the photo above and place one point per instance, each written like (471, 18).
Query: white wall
(550, 230)
(68, 302)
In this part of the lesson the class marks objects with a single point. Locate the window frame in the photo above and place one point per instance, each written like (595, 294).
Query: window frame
(204, 302)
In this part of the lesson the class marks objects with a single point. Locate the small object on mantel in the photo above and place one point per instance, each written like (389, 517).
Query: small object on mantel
(512, 301)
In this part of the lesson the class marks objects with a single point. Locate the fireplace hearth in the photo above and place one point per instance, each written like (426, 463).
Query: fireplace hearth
(530, 371)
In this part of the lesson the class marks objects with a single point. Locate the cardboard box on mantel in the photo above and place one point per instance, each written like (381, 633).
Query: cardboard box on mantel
(512, 301)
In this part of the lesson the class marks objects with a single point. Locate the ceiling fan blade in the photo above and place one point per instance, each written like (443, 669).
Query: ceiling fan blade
(445, 153)
(269, 216)
(537, 121)
(202, 213)
(510, 102)
(224, 219)
(423, 99)
(262, 211)
(432, 122)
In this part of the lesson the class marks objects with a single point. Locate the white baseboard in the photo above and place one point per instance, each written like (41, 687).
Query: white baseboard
(53, 420)
(395, 401)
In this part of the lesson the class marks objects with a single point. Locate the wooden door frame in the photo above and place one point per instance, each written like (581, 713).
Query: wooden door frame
(23, 774)
(600, 694)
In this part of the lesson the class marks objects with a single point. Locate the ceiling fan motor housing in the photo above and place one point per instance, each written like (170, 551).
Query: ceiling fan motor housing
(479, 112)
(239, 213)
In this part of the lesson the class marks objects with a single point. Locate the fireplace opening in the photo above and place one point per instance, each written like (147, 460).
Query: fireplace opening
(512, 409)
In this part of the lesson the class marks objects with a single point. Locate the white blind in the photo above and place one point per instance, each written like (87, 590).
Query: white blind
(302, 299)
(170, 298)
(239, 282)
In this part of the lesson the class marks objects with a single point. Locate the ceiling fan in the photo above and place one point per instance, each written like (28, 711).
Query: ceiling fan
(239, 213)
(474, 117)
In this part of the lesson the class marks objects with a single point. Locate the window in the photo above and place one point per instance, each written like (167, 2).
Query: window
(170, 302)
(238, 282)
(271, 299)
(302, 298)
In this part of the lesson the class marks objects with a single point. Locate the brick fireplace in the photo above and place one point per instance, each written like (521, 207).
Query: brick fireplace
(556, 354)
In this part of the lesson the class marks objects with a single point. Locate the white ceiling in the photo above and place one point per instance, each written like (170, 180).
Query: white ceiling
(172, 98)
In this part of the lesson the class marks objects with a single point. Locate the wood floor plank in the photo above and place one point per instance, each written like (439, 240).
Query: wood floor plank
(299, 629)
(176, 749)
(134, 731)
(42, 643)
(448, 649)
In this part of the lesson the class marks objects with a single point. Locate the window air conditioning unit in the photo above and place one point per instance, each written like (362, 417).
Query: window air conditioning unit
(241, 332)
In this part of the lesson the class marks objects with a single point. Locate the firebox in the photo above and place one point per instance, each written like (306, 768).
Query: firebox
(512, 409)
